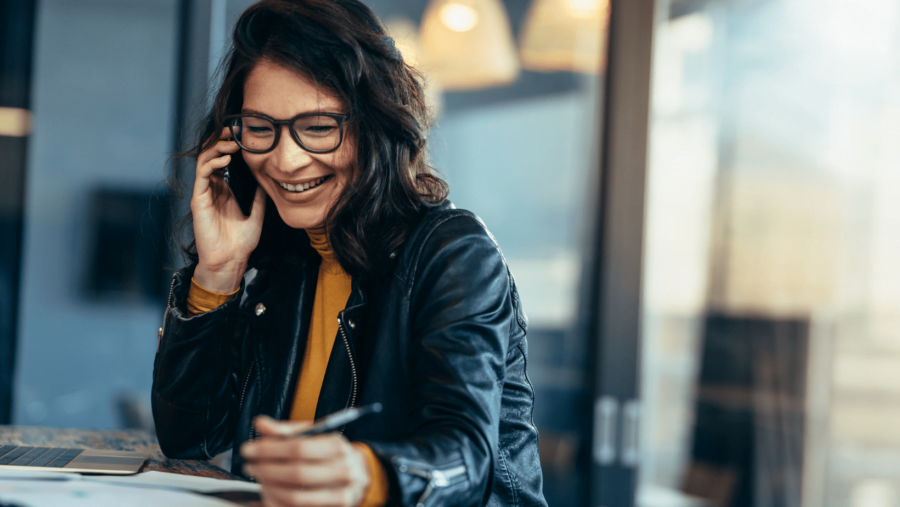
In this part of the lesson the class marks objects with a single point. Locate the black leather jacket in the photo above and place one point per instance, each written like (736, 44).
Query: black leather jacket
(440, 344)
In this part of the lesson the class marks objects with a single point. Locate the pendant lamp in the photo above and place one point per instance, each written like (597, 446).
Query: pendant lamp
(405, 36)
(468, 44)
(14, 122)
(565, 35)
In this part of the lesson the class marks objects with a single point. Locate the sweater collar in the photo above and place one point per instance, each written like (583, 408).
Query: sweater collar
(318, 239)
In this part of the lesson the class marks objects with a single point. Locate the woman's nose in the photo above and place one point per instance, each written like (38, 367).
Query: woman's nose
(288, 154)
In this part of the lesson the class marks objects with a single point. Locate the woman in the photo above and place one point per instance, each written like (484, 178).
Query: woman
(352, 281)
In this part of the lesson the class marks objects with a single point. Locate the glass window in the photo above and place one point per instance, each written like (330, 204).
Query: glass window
(771, 363)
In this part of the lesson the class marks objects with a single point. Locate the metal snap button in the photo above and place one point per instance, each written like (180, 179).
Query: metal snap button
(260, 309)
(352, 324)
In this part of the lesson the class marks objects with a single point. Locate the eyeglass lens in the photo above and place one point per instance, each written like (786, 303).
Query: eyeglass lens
(318, 132)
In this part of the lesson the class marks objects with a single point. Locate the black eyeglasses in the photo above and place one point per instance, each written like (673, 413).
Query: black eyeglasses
(314, 132)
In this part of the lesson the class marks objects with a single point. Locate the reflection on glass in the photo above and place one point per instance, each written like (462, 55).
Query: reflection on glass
(771, 368)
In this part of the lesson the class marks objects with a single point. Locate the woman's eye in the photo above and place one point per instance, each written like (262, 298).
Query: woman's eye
(319, 130)
(259, 130)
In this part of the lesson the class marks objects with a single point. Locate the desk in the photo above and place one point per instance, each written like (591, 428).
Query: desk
(123, 440)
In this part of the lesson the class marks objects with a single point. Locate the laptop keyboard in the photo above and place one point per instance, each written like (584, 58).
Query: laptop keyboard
(20, 455)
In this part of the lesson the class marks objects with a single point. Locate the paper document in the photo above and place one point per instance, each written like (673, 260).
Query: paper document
(165, 480)
(44, 475)
(78, 493)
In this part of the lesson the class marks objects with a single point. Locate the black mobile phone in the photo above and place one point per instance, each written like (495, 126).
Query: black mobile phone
(241, 183)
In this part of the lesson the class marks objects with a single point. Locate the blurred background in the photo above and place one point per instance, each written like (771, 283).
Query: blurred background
(699, 199)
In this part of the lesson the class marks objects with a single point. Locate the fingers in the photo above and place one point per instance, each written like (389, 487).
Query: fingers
(215, 150)
(311, 471)
(223, 145)
(205, 172)
(222, 151)
(265, 425)
(216, 157)
(317, 448)
(290, 473)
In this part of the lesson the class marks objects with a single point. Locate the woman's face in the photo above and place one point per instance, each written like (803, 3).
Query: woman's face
(281, 93)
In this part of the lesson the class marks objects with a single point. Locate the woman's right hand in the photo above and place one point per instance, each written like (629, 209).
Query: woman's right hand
(224, 236)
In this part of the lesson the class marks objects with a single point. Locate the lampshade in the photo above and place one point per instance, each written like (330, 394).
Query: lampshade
(14, 122)
(468, 44)
(565, 35)
(405, 36)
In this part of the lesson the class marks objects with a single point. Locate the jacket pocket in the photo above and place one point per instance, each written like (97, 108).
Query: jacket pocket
(436, 479)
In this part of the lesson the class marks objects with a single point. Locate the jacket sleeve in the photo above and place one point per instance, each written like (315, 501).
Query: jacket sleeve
(194, 376)
(461, 310)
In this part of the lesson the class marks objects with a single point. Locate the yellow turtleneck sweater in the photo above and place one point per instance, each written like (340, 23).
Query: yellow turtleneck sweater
(332, 292)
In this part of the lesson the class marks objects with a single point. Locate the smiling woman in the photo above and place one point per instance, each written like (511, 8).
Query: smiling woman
(353, 281)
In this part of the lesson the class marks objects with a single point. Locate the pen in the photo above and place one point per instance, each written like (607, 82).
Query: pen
(334, 421)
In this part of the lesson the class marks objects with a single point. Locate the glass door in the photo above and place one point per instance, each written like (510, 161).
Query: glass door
(771, 304)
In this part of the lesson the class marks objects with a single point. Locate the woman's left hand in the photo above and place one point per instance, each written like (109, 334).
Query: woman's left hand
(309, 471)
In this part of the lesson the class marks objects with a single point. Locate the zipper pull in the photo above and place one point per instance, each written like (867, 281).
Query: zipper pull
(439, 479)
(433, 477)
(425, 494)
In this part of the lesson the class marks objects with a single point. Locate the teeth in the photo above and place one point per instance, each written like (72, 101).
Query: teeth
(302, 187)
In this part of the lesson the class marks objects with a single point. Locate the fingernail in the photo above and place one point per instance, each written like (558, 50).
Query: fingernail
(248, 450)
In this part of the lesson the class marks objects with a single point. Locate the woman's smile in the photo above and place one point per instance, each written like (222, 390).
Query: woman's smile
(300, 196)
(303, 186)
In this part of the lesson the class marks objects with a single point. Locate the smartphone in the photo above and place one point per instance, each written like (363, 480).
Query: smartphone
(241, 183)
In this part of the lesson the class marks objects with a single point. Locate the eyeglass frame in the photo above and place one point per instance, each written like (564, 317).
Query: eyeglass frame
(341, 119)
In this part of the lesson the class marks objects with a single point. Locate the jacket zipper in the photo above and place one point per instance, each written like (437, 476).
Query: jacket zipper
(435, 478)
(246, 382)
(352, 362)
(243, 393)
(252, 430)
(169, 303)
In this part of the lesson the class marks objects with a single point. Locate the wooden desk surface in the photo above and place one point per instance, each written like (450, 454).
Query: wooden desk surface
(122, 440)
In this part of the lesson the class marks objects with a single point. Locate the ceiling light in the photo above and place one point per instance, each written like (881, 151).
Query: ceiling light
(459, 17)
(565, 35)
(468, 44)
(14, 122)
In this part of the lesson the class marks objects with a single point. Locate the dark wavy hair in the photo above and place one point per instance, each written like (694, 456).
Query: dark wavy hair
(342, 46)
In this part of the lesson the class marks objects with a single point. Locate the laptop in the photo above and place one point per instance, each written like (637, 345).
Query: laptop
(67, 459)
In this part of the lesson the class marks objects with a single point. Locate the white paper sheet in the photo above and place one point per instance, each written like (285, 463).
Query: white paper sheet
(81, 493)
(15, 473)
(165, 480)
